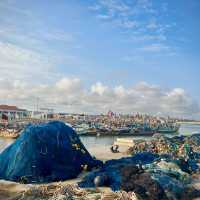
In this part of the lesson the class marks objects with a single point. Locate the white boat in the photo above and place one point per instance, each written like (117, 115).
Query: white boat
(129, 142)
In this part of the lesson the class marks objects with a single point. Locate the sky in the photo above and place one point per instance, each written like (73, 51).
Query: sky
(95, 55)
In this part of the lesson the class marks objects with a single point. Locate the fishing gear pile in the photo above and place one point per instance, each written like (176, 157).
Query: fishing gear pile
(44, 153)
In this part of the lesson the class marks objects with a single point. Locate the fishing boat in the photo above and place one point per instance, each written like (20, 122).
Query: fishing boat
(122, 130)
(142, 130)
(129, 142)
(168, 128)
(81, 128)
(89, 132)
(9, 133)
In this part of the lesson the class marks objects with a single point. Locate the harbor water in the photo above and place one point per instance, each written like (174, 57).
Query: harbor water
(100, 146)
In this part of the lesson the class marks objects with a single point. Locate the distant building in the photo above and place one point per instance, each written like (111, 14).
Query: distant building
(110, 114)
(12, 112)
(43, 113)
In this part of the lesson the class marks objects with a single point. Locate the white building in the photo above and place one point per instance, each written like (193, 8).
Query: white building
(12, 112)
(43, 113)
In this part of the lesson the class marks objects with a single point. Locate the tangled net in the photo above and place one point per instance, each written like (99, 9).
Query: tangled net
(122, 195)
(54, 190)
(73, 192)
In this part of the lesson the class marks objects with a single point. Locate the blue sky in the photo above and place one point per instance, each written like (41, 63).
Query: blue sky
(111, 42)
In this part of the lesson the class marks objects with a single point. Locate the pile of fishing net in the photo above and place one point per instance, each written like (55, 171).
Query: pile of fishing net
(148, 175)
(45, 153)
(178, 146)
(61, 191)
(54, 191)
(159, 169)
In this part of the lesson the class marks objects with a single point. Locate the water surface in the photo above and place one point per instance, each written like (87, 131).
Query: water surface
(94, 144)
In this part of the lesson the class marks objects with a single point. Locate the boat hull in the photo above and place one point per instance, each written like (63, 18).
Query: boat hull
(169, 131)
(11, 135)
(117, 134)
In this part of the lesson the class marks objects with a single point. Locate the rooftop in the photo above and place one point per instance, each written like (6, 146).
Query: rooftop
(8, 107)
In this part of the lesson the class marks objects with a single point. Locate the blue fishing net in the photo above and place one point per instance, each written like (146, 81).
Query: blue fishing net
(112, 169)
(45, 152)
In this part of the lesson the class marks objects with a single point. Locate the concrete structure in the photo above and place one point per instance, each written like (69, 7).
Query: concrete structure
(12, 112)
(43, 113)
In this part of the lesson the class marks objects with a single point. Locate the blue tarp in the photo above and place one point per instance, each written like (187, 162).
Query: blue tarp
(43, 153)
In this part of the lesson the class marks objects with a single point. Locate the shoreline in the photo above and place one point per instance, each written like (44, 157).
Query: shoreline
(11, 190)
(189, 123)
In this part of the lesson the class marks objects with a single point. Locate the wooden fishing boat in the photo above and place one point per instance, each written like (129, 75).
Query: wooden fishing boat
(169, 129)
(143, 131)
(9, 133)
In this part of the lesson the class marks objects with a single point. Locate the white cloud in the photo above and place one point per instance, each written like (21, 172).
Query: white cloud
(12, 53)
(95, 7)
(127, 23)
(114, 5)
(99, 88)
(10, 6)
(140, 17)
(57, 36)
(121, 10)
(19, 61)
(24, 32)
(152, 24)
(147, 37)
(105, 17)
(120, 91)
(164, 7)
(69, 85)
(23, 63)
(116, 11)
(69, 95)
(156, 47)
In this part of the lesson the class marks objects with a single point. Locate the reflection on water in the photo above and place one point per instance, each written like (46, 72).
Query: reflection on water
(104, 142)
(93, 142)
(188, 129)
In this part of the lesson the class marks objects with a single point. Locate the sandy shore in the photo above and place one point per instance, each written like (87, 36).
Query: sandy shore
(104, 153)
(15, 191)
(12, 191)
